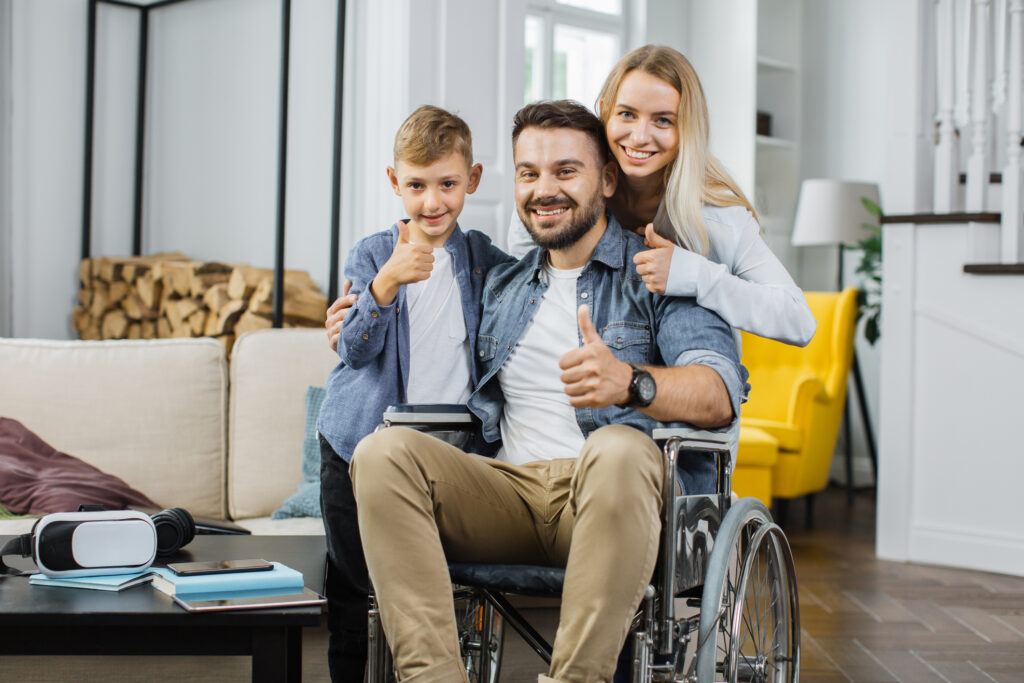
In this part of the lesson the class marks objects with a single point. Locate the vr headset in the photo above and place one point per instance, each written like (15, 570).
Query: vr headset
(103, 542)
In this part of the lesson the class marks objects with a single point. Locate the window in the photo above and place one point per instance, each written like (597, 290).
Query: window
(571, 45)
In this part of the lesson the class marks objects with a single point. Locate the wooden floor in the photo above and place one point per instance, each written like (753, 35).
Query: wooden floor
(864, 619)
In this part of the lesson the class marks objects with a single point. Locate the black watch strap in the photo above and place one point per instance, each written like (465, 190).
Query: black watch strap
(641, 389)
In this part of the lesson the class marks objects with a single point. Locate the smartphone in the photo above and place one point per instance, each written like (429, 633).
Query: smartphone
(218, 566)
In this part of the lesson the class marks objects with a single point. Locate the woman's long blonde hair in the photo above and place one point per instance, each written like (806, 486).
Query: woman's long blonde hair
(695, 177)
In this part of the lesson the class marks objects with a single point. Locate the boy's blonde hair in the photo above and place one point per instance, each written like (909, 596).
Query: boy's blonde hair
(431, 133)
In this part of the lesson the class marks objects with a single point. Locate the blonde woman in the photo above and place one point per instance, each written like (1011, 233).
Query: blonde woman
(704, 237)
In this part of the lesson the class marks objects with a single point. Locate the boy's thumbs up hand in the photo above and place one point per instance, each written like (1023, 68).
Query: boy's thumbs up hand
(593, 376)
(653, 265)
(409, 262)
(403, 232)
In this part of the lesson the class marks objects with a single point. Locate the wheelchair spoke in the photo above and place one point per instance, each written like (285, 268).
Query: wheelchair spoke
(754, 603)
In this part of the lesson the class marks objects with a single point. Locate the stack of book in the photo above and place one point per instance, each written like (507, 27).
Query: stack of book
(113, 582)
(278, 587)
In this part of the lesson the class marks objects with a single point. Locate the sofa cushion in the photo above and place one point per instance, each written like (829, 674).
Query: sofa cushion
(149, 412)
(270, 372)
(305, 502)
(35, 478)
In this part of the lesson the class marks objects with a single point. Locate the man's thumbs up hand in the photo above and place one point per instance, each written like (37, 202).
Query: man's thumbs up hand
(593, 377)
(587, 331)
(653, 265)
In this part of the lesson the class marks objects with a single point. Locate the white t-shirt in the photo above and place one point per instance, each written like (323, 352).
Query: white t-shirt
(538, 423)
(439, 353)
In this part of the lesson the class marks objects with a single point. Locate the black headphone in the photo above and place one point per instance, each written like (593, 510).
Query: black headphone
(175, 529)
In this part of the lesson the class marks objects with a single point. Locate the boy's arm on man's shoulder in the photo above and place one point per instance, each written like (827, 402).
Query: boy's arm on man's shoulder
(366, 325)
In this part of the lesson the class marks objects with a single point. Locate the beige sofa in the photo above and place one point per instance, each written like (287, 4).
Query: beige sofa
(175, 422)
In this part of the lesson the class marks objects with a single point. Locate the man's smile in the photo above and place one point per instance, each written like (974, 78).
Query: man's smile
(552, 212)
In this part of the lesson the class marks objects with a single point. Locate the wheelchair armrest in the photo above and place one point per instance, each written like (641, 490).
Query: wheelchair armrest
(439, 416)
(693, 439)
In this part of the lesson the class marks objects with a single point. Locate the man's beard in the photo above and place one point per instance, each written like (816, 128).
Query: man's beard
(568, 235)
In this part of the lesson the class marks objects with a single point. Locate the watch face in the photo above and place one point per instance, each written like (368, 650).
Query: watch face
(645, 388)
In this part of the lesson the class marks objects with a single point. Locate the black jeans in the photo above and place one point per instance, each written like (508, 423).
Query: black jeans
(347, 584)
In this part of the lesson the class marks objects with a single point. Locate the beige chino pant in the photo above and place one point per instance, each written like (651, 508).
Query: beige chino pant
(423, 502)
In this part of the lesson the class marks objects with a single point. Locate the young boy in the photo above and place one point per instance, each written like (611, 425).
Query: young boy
(409, 338)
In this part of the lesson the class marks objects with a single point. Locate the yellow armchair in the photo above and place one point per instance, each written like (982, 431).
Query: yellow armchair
(796, 398)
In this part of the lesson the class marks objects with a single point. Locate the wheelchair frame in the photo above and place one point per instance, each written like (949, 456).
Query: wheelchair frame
(729, 558)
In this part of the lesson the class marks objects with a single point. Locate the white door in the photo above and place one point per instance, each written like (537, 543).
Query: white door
(468, 59)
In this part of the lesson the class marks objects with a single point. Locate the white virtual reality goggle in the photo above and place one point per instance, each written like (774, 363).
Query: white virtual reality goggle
(96, 543)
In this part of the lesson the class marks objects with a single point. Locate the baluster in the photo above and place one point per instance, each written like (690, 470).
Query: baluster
(1013, 218)
(999, 66)
(977, 163)
(946, 161)
(963, 22)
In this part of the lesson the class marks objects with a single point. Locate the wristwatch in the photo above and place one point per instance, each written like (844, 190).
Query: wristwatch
(642, 389)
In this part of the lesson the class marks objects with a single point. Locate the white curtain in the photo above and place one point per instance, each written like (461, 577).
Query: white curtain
(5, 168)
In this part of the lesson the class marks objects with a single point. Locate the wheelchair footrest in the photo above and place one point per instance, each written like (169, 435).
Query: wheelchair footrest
(520, 579)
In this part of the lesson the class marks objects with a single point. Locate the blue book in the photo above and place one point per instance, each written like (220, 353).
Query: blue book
(111, 582)
(166, 581)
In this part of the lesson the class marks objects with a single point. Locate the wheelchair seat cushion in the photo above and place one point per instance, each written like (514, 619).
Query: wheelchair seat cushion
(520, 579)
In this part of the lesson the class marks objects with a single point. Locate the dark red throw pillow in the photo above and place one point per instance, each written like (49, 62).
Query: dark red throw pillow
(37, 479)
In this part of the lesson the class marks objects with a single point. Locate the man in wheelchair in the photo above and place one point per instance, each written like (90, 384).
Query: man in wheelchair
(579, 364)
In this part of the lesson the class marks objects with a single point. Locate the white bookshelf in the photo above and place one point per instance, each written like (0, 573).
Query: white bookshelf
(748, 56)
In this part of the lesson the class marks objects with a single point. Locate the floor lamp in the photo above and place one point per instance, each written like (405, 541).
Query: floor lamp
(830, 212)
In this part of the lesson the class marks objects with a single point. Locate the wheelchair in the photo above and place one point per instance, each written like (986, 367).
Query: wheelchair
(722, 604)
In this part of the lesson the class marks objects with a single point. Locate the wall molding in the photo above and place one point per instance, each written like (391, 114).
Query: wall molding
(6, 140)
(970, 548)
(981, 333)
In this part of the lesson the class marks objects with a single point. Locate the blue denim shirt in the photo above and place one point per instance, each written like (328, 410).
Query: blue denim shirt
(374, 341)
(639, 327)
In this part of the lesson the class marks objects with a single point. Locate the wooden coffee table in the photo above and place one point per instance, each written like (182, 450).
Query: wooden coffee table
(37, 620)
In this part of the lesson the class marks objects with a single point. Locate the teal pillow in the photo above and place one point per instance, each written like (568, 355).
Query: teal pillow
(305, 502)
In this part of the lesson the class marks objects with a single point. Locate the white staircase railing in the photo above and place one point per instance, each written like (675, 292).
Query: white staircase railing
(979, 66)
(1012, 239)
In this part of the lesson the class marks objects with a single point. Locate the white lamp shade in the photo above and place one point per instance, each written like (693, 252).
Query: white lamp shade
(831, 212)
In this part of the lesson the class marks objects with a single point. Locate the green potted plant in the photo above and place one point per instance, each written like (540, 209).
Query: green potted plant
(869, 299)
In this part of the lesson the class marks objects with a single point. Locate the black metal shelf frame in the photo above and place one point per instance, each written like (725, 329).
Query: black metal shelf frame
(282, 138)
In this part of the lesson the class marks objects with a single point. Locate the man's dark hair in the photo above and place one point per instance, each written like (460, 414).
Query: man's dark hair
(562, 114)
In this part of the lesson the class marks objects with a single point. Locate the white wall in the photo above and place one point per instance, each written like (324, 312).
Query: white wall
(951, 461)
(663, 22)
(47, 59)
(211, 141)
(860, 122)
(5, 168)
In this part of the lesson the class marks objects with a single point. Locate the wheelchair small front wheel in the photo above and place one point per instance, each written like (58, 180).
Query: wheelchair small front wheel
(749, 621)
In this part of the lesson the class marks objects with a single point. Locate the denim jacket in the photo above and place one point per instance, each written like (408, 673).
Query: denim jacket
(639, 327)
(374, 341)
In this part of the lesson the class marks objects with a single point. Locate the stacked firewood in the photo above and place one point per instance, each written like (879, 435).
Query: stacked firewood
(170, 295)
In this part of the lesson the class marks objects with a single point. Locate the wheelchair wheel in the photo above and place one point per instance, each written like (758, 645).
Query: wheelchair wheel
(481, 638)
(749, 621)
